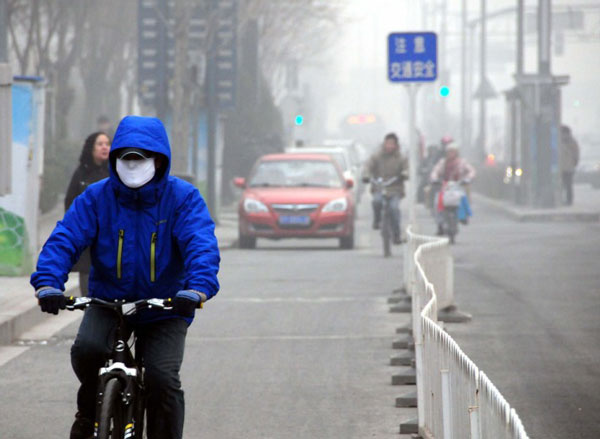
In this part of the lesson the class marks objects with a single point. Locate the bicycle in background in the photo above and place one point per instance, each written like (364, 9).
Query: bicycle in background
(387, 218)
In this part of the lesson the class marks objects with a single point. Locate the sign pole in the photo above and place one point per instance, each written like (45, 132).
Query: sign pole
(413, 153)
(412, 59)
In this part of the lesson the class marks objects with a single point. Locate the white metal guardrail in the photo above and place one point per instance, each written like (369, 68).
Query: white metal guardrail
(455, 399)
(443, 275)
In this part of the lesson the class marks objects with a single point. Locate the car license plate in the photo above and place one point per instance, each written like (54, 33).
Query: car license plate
(294, 220)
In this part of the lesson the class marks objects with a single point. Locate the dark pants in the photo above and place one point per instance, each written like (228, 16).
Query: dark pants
(567, 180)
(161, 345)
(394, 201)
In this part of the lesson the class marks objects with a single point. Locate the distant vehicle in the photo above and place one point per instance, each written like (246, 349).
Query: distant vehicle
(341, 156)
(358, 153)
(363, 127)
(296, 195)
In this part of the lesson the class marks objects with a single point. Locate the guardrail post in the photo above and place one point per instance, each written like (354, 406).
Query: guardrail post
(420, 385)
(474, 421)
(446, 404)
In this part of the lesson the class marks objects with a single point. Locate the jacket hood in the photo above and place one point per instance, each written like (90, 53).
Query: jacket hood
(146, 133)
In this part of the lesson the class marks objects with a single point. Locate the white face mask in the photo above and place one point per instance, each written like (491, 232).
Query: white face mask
(136, 173)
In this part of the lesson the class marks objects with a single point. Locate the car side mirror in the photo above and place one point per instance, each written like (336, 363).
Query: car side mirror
(240, 182)
(349, 183)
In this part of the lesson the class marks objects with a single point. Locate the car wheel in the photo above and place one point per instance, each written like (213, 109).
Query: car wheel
(248, 242)
(347, 242)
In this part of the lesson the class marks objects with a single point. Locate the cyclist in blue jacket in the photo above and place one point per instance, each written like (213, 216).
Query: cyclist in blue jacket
(150, 235)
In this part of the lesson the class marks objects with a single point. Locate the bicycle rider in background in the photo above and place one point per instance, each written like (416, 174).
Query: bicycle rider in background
(451, 168)
(150, 235)
(387, 163)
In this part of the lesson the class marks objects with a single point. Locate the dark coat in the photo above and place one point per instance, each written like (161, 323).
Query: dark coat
(388, 165)
(85, 174)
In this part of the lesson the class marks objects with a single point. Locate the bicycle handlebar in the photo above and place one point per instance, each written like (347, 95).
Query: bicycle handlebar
(381, 183)
(75, 303)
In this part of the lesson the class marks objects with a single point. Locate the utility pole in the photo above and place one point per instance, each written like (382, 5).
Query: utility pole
(212, 120)
(544, 36)
(483, 79)
(162, 87)
(519, 136)
(463, 77)
(444, 66)
(520, 38)
(3, 32)
(544, 107)
(5, 106)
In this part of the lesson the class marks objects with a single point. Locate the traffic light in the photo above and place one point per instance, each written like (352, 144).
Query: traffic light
(444, 91)
(299, 120)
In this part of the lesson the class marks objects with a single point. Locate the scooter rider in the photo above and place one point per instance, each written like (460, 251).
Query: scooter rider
(388, 163)
(150, 235)
(451, 168)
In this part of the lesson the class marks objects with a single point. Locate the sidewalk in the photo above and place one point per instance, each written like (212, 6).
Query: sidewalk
(19, 310)
(586, 208)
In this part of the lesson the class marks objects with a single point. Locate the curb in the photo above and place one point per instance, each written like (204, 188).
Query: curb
(19, 320)
(531, 215)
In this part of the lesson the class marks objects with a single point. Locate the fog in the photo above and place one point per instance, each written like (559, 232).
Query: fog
(325, 61)
(292, 129)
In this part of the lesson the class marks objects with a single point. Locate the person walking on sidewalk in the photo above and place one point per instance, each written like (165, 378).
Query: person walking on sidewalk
(387, 163)
(150, 235)
(569, 157)
(93, 167)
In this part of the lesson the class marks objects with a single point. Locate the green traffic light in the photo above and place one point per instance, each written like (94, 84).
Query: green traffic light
(444, 91)
(299, 120)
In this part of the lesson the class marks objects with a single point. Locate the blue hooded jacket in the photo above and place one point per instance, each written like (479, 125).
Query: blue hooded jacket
(146, 242)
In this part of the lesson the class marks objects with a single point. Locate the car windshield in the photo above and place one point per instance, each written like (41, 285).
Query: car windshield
(296, 173)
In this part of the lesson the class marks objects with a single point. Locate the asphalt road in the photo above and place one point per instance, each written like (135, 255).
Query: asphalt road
(296, 345)
(534, 292)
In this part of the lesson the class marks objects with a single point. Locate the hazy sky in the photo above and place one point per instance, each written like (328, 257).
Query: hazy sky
(358, 62)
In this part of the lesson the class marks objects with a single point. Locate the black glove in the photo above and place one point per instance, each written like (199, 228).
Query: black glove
(51, 300)
(186, 302)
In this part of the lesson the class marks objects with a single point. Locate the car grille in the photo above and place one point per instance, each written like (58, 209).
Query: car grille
(294, 209)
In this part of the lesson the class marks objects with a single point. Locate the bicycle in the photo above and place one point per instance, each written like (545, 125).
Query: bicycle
(121, 401)
(451, 194)
(387, 218)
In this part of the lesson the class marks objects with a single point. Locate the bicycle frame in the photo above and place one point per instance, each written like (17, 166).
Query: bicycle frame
(386, 213)
(121, 364)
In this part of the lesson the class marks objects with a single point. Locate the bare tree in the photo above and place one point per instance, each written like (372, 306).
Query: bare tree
(45, 41)
(109, 40)
(292, 30)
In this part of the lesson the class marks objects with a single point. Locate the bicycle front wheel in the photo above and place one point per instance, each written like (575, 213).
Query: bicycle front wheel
(110, 419)
(386, 231)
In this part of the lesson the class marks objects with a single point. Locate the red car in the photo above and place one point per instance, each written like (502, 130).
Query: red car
(296, 195)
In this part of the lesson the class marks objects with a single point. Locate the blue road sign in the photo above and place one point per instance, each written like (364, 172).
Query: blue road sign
(412, 57)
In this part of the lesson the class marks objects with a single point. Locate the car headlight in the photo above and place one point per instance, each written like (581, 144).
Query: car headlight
(337, 205)
(254, 206)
